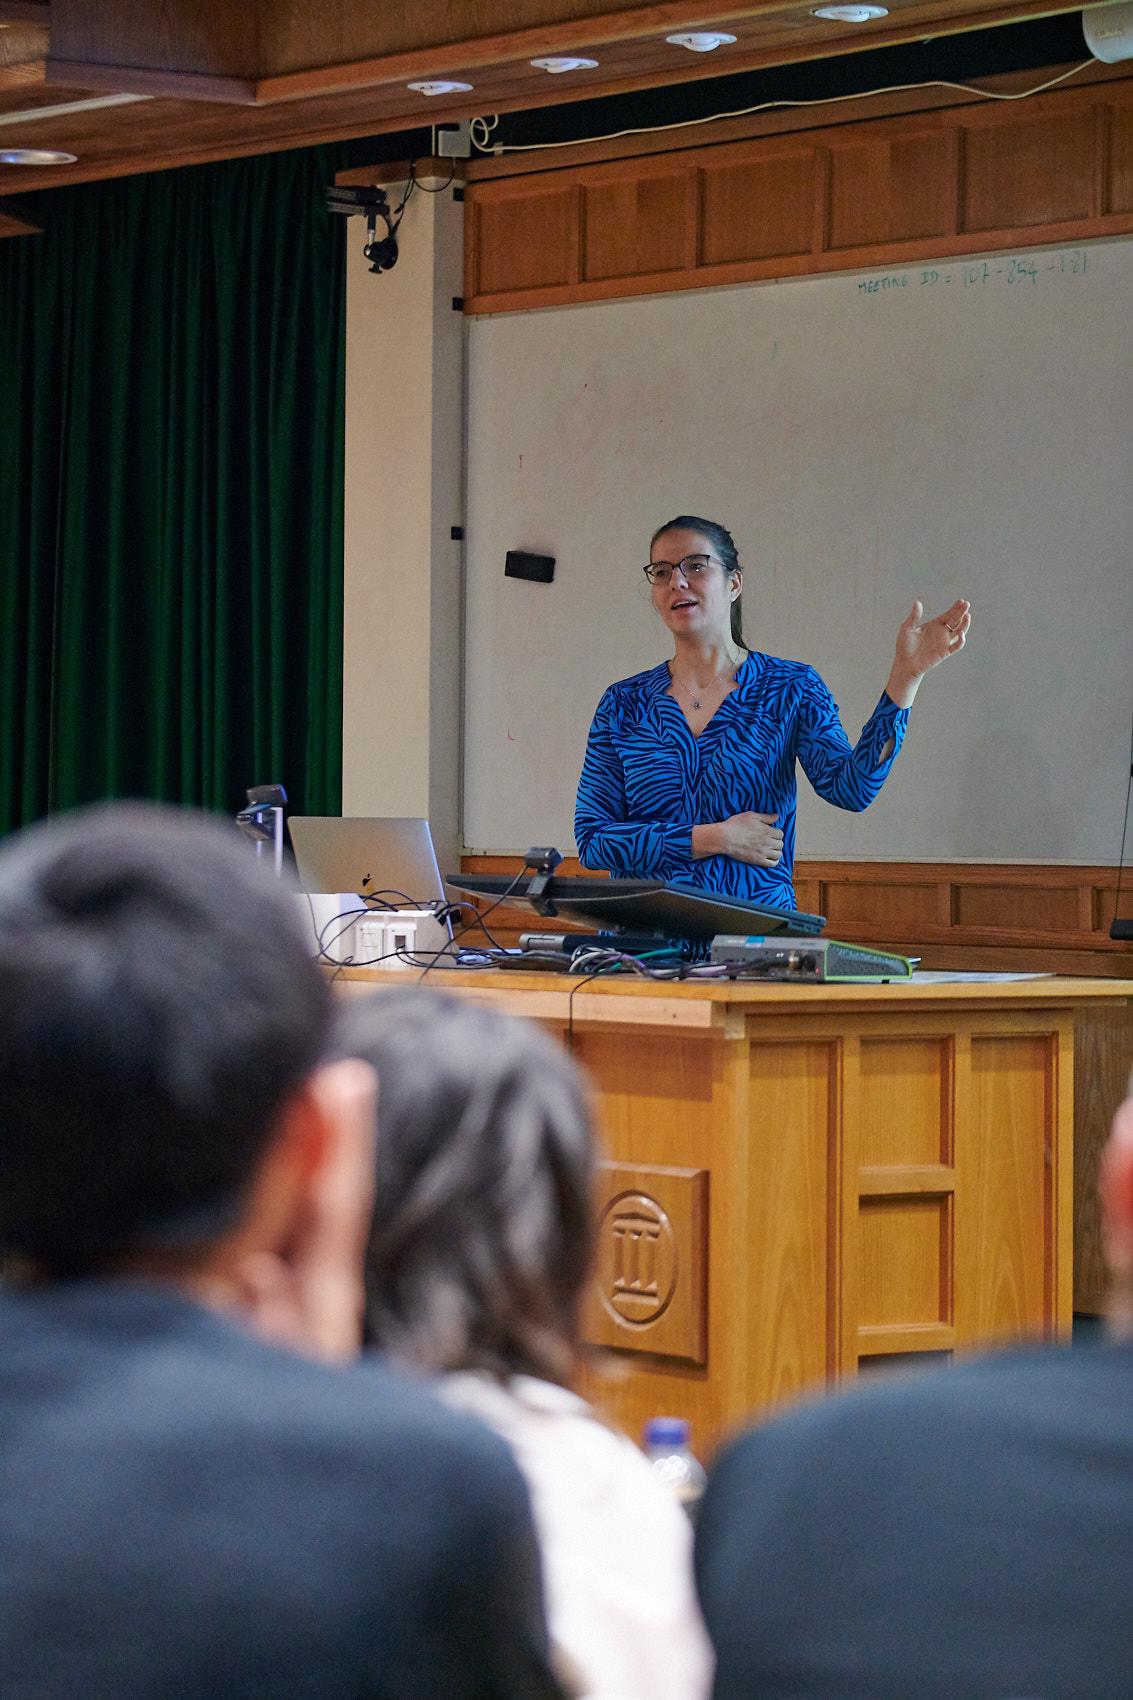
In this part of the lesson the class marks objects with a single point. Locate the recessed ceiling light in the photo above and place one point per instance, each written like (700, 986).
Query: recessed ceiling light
(701, 41)
(36, 156)
(557, 65)
(440, 88)
(851, 14)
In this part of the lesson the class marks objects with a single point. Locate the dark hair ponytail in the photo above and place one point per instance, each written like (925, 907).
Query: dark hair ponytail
(724, 548)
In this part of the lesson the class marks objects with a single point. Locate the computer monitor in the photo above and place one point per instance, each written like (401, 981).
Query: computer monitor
(677, 910)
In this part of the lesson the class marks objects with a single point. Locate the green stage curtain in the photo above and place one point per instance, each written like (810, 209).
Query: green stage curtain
(171, 469)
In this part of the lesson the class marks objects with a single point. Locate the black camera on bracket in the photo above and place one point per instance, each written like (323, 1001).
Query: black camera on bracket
(373, 204)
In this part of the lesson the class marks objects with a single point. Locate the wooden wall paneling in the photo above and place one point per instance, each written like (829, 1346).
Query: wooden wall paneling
(845, 1292)
(961, 180)
(761, 202)
(1006, 1104)
(1025, 171)
(905, 1256)
(912, 1076)
(795, 1221)
(1048, 908)
(527, 240)
(906, 1186)
(891, 186)
(1103, 1075)
(639, 222)
(1060, 1182)
(1119, 157)
(661, 1102)
(1118, 191)
(917, 904)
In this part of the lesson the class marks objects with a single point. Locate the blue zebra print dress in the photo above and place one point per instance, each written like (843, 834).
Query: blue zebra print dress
(646, 781)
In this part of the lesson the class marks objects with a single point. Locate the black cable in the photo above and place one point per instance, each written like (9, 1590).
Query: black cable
(424, 188)
(476, 921)
(504, 895)
(603, 968)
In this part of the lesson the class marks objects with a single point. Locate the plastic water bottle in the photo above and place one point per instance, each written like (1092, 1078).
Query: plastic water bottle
(667, 1449)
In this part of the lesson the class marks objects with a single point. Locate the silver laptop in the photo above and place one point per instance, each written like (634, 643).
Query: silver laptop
(391, 858)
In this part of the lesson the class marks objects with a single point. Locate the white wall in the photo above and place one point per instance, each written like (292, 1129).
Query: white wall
(402, 612)
(969, 434)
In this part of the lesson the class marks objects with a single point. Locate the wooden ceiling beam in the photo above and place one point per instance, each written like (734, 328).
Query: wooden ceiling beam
(268, 50)
(265, 52)
(138, 79)
(518, 45)
(143, 48)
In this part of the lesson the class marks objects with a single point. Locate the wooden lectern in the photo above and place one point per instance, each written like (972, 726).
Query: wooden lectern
(802, 1180)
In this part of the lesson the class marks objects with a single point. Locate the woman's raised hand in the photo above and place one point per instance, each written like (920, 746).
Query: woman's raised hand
(923, 644)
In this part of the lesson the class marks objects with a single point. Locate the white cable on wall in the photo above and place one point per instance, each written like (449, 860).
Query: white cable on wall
(482, 127)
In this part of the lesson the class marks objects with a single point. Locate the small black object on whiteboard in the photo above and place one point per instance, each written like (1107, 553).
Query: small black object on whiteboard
(519, 563)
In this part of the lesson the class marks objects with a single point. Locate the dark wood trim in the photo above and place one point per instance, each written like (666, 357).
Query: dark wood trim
(135, 79)
(365, 176)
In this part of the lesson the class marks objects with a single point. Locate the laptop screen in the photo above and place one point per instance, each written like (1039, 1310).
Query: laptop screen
(390, 857)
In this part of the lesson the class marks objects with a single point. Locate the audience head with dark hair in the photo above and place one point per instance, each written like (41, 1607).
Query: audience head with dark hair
(185, 1191)
(158, 1012)
(483, 1228)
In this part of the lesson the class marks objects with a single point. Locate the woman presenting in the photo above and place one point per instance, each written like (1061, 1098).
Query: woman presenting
(690, 767)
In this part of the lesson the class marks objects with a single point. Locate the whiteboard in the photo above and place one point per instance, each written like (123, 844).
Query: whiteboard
(957, 429)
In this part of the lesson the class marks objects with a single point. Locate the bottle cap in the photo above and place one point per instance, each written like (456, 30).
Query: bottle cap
(666, 1431)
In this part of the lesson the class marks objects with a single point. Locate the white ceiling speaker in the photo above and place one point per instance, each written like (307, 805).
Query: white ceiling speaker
(557, 63)
(850, 14)
(438, 87)
(1109, 31)
(37, 156)
(701, 41)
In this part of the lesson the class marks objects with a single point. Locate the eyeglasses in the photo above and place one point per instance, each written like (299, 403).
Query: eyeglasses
(693, 567)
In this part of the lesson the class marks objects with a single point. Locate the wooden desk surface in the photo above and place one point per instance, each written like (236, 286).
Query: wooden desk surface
(707, 1004)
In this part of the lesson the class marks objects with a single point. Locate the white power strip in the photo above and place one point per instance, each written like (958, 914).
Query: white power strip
(343, 929)
(388, 943)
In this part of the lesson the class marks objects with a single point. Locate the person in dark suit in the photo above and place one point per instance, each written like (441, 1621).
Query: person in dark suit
(187, 1509)
(961, 1535)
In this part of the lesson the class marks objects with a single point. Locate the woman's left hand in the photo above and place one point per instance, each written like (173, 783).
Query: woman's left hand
(923, 644)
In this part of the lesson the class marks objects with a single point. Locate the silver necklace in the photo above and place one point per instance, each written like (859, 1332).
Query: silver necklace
(720, 679)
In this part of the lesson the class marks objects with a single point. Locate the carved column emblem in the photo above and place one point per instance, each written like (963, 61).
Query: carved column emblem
(637, 1259)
